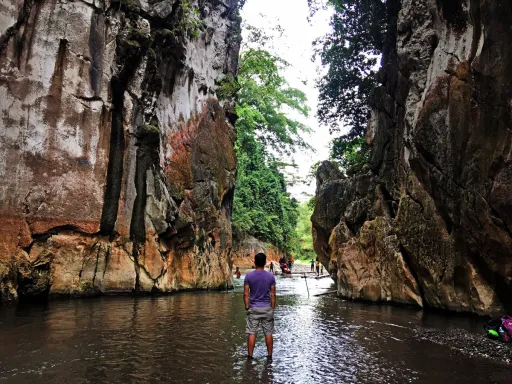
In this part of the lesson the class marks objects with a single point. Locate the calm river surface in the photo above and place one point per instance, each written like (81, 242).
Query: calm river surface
(199, 338)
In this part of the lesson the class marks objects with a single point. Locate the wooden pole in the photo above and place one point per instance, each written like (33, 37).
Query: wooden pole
(306, 279)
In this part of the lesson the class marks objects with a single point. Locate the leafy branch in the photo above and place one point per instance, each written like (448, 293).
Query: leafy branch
(350, 52)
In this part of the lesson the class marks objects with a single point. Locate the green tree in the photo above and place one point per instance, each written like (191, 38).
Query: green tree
(350, 52)
(262, 205)
(350, 153)
(262, 101)
(304, 248)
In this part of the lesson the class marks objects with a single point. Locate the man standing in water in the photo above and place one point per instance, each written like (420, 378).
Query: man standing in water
(260, 301)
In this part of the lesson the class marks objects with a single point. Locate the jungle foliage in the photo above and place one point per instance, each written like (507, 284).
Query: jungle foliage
(304, 245)
(262, 205)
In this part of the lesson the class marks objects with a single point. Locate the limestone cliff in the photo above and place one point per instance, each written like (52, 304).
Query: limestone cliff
(429, 220)
(246, 248)
(116, 158)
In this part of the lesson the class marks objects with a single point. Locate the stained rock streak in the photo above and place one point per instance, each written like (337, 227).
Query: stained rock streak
(112, 182)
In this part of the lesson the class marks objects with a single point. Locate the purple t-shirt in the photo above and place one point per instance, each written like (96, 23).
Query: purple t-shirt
(259, 283)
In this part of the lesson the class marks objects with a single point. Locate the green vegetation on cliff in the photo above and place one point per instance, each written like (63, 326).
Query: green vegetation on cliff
(263, 207)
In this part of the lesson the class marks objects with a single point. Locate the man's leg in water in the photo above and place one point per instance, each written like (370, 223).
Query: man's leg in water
(268, 328)
(251, 342)
(269, 339)
(256, 318)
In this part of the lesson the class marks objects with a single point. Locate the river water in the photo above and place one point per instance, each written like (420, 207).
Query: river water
(199, 338)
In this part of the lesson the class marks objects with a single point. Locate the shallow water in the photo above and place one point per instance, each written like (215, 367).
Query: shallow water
(199, 338)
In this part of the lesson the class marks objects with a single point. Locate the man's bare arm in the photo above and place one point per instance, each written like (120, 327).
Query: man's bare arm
(246, 297)
(273, 296)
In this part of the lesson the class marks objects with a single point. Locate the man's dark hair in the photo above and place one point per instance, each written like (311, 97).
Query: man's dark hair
(260, 260)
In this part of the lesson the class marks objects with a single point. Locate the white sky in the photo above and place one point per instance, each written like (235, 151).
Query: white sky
(295, 46)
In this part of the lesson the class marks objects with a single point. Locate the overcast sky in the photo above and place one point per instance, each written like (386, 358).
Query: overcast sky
(295, 46)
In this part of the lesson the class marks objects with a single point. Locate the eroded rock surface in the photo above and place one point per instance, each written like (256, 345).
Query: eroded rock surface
(116, 158)
(434, 224)
(245, 249)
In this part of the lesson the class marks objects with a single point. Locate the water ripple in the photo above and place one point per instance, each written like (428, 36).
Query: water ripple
(199, 338)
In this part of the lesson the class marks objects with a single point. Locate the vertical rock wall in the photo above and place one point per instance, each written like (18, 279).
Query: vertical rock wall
(429, 220)
(116, 158)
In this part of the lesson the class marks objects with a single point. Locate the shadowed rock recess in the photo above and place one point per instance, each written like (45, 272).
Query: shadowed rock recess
(428, 221)
(116, 158)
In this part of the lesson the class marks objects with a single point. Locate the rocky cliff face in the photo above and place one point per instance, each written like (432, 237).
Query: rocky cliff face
(245, 249)
(116, 158)
(429, 220)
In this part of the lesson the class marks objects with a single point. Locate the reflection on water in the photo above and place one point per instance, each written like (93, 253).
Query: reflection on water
(199, 338)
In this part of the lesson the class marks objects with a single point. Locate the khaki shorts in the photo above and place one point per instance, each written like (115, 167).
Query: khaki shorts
(259, 316)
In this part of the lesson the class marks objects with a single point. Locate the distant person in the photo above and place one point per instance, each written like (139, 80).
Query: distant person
(321, 269)
(290, 264)
(283, 265)
(312, 265)
(317, 267)
(271, 267)
(260, 302)
(238, 273)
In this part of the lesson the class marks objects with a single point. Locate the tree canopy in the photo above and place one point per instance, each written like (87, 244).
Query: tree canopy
(263, 96)
(262, 205)
(350, 52)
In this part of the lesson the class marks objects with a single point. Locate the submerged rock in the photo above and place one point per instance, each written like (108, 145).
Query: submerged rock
(116, 157)
(437, 190)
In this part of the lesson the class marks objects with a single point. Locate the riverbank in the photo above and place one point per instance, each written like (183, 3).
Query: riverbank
(467, 343)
